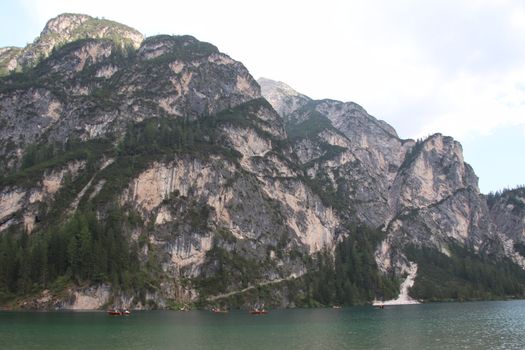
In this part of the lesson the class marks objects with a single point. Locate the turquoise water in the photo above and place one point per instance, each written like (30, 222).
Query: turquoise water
(476, 325)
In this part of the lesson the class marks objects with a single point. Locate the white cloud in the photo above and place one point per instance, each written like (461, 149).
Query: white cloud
(478, 106)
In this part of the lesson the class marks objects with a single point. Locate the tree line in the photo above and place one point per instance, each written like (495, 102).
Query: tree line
(464, 275)
(82, 251)
(350, 276)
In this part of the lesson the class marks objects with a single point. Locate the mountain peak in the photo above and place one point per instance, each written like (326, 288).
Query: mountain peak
(71, 26)
(65, 28)
(64, 23)
(278, 86)
(283, 98)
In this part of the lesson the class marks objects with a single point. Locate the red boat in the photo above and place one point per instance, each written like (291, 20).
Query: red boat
(117, 312)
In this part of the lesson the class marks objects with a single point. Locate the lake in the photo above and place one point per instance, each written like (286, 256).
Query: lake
(473, 325)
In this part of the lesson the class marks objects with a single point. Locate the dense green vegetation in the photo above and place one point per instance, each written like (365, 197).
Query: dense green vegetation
(232, 268)
(465, 275)
(83, 251)
(352, 277)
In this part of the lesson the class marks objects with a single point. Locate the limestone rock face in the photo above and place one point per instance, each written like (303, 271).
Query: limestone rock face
(435, 199)
(419, 193)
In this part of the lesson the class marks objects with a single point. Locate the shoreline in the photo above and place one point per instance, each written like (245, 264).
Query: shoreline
(403, 298)
(370, 304)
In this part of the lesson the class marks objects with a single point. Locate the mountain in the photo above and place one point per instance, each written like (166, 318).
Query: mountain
(413, 190)
(61, 30)
(156, 172)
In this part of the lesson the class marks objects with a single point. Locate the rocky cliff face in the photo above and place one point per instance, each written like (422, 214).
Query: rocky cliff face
(507, 213)
(159, 172)
(507, 210)
(420, 193)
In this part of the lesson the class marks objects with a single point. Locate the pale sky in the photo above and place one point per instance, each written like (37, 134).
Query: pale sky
(455, 67)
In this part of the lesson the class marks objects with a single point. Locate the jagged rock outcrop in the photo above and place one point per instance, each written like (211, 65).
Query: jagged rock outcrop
(64, 29)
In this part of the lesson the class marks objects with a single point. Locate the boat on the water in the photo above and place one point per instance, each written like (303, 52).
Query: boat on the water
(258, 311)
(117, 312)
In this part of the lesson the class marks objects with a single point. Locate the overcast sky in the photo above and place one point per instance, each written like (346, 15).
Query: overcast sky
(455, 67)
